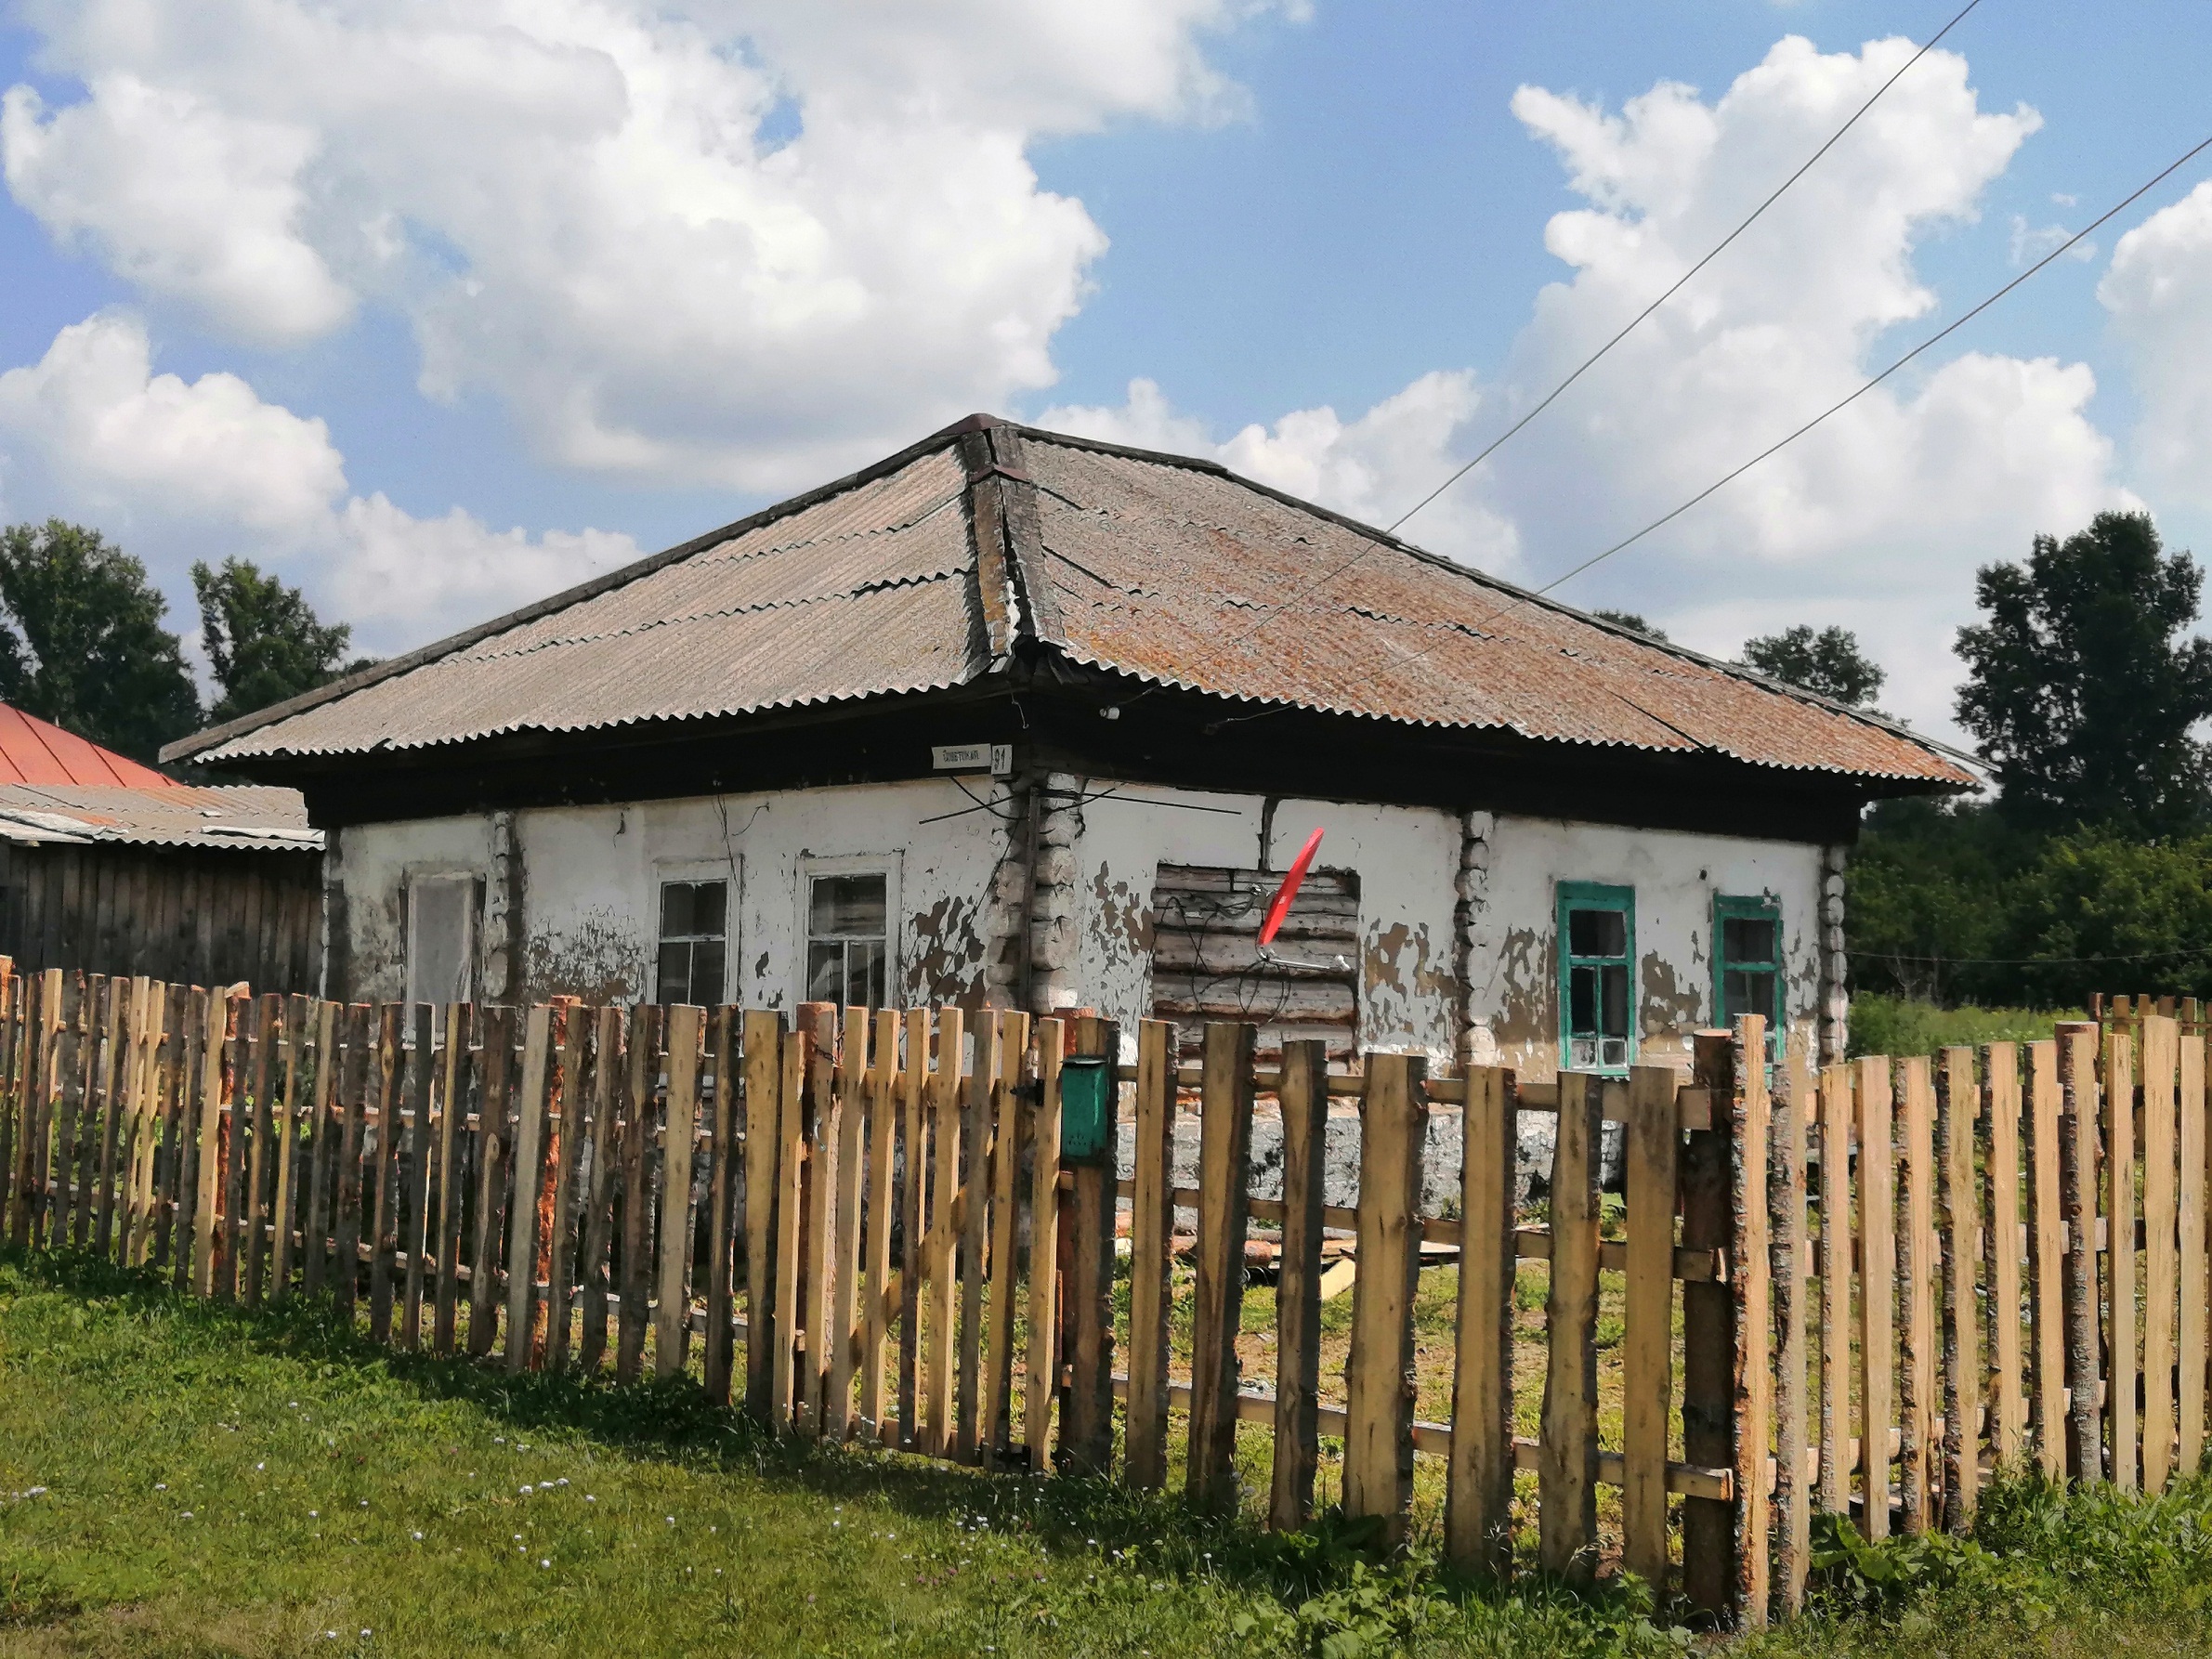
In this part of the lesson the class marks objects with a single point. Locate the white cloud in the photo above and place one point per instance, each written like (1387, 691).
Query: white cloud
(1371, 468)
(2158, 291)
(1877, 520)
(2031, 245)
(598, 210)
(176, 470)
(187, 201)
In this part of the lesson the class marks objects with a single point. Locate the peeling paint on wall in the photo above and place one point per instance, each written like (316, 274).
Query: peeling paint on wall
(593, 875)
(946, 958)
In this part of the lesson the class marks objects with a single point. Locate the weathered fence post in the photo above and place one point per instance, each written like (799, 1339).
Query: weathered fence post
(1303, 1094)
(1087, 1432)
(764, 1106)
(1654, 1144)
(1750, 1267)
(1567, 1462)
(2077, 1184)
(1477, 1517)
(1708, 1337)
(1380, 1382)
(1224, 1143)
(1151, 1224)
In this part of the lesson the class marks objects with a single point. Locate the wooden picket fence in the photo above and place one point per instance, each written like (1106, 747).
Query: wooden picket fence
(875, 1209)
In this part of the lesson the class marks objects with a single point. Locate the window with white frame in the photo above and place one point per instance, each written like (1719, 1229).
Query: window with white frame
(694, 943)
(848, 938)
(441, 936)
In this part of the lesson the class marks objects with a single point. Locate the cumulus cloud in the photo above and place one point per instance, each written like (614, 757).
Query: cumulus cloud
(178, 470)
(2158, 291)
(1877, 520)
(728, 240)
(1371, 468)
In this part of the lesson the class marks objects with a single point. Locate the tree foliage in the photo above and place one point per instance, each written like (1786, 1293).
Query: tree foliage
(2079, 692)
(82, 644)
(1829, 662)
(263, 643)
(1958, 904)
(1631, 621)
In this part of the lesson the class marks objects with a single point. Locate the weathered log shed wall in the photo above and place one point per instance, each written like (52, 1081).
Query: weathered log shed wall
(189, 915)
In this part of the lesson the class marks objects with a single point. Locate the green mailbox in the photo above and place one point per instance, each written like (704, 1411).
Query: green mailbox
(1088, 1086)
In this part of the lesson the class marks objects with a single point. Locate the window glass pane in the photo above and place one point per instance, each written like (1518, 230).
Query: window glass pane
(1617, 1007)
(706, 973)
(847, 906)
(1582, 1001)
(825, 972)
(1582, 1052)
(1744, 992)
(1597, 932)
(865, 974)
(675, 910)
(709, 900)
(674, 982)
(1750, 939)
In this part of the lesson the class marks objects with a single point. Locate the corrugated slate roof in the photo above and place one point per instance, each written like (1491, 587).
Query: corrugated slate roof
(34, 751)
(1172, 570)
(231, 815)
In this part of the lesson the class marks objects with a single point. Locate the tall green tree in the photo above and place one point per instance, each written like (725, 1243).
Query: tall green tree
(2079, 688)
(83, 645)
(1829, 663)
(263, 641)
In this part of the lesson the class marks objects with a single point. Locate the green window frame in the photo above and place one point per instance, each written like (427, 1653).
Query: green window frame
(1747, 963)
(1597, 977)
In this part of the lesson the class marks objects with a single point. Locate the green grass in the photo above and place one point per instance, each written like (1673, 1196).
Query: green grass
(183, 1479)
(1898, 1026)
(211, 1480)
(2046, 1571)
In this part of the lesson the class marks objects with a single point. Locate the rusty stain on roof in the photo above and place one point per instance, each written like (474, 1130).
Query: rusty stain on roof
(1169, 570)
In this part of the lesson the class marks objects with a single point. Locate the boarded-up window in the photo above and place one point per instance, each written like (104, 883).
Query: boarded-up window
(441, 938)
(1206, 963)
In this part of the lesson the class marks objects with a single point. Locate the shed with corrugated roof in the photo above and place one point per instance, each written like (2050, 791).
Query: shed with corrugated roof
(109, 866)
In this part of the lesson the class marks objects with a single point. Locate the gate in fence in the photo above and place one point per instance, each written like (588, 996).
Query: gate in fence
(910, 1225)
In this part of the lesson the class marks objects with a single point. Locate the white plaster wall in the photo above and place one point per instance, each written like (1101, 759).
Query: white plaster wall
(1676, 876)
(375, 862)
(591, 892)
(1405, 856)
(591, 875)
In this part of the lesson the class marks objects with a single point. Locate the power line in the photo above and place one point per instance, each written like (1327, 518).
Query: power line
(1630, 326)
(1324, 581)
(1843, 403)
(2024, 961)
(1838, 406)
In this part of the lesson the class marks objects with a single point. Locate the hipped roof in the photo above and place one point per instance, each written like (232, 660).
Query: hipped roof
(937, 567)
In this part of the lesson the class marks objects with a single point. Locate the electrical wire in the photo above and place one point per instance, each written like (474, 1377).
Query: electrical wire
(1630, 326)
(2024, 961)
(1634, 322)
(1842, 403)
(1845, 402)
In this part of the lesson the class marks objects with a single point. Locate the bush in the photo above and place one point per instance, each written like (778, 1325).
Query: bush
(1887, 1024)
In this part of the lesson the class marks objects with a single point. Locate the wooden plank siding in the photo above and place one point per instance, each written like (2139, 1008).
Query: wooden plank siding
(185, 915)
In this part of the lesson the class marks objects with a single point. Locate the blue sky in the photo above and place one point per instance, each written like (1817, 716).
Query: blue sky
(1265, 211)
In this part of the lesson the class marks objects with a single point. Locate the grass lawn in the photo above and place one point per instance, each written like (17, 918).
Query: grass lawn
(181, 1479)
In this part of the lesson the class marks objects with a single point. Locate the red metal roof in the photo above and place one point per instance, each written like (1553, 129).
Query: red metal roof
(33, 751)
(1169, 569)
